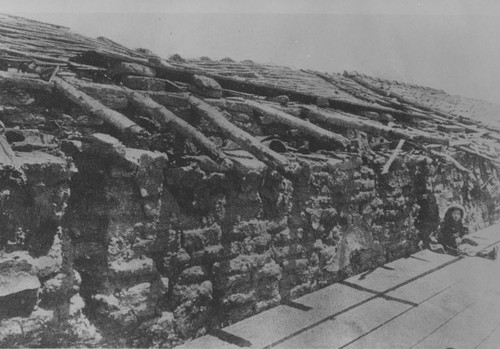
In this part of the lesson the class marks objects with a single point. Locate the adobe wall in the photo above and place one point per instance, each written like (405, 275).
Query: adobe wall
(166, 253)
(103, 244)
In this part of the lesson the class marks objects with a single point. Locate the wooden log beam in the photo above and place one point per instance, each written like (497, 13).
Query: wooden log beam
(449, 159)
(183, 73)
(4, 48)
(446, 158)
(165, 117)
(240, 137)
(112, 96)
(303, 126)
(8, 80)
(345, 120)
(438, 114)
(378, 99)
(96, 108)
(495, 162)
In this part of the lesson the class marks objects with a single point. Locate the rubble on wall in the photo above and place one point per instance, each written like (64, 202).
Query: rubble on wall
(145, 201)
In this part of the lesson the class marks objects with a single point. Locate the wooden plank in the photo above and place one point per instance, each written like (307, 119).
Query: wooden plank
(331, 300)
(394, 154)
(421, 289)
(468, 328)
(491, 233)
(491, 341)
(429, 256)
(207, 342)
(393, 274)
(347, 327)
(410, 327)
(269, 326)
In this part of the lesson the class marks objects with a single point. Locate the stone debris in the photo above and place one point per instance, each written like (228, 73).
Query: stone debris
(18, 285)
(145, 202)
(205, 87)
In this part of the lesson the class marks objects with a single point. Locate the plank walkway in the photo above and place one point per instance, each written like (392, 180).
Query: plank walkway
(428, 300)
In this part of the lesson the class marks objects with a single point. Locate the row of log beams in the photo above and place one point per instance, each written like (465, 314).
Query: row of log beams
(143, 102)
(182, 73)
(274, 114)
(378, 99)
(243, 139)
(303, 126)
(435, 114)
(4, 48)
(337, 119)
(234, 85)
(165, 117)
(65, 39)
(495, 162)
(240, 137)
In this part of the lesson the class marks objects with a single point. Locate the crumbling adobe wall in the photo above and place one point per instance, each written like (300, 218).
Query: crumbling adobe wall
(39, 300)
(169, 252)
(121, 246)
(332, 221)
(232, 246)
(113, 221)
(478, 193)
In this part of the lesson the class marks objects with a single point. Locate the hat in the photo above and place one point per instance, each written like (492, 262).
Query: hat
(452, 208)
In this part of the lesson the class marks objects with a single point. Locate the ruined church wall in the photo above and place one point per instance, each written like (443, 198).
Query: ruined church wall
(207, 249)
(128, 247)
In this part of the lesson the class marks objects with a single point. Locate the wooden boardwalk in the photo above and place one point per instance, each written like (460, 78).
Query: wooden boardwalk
(428, 300)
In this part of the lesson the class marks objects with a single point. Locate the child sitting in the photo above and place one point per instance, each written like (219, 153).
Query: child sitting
(453, 236)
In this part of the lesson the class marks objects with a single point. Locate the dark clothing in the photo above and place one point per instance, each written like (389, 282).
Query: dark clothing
(451, 229)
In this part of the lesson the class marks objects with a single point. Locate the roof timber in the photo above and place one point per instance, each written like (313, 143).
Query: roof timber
(185, 73)
(336, 118)
(348, 97)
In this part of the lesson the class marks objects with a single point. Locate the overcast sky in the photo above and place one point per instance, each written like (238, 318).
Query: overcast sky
(448, 44)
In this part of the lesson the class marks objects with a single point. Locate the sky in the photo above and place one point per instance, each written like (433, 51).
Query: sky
(447, 44)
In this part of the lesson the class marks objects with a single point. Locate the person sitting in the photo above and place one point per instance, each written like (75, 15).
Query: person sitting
(453, 236)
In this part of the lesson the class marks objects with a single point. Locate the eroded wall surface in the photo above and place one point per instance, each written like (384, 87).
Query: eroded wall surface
(116, 244)
(103, 244)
